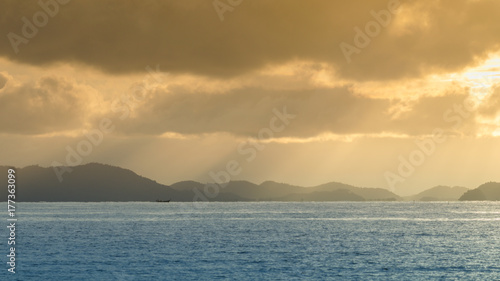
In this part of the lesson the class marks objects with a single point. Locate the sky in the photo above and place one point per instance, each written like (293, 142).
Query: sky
(402, 95)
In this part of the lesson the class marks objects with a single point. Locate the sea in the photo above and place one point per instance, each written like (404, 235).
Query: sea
(254, 241)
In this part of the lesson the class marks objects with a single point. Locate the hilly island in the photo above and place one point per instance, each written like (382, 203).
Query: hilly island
(96, 182)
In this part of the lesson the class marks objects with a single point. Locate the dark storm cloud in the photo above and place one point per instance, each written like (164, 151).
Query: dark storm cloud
(187, 36)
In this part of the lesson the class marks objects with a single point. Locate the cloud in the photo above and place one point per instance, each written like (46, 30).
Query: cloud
(190, 105)
(491, 106)
(3, 80)
(246, 111)
(447, 112)
(188, 36)
(50, 105)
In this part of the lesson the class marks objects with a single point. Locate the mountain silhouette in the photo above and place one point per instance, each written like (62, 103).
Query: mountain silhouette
(439, 193)
(323, 196)
(273, 191)
(96, 182)
(489, 191)
(90, 182)
(369, 194)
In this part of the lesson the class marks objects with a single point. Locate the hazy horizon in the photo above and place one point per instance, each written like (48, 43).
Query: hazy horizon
(189, 184)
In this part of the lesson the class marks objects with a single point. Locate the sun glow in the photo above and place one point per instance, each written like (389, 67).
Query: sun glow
(483, 78)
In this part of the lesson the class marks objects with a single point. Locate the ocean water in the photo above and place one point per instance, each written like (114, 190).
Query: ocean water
(255, 241)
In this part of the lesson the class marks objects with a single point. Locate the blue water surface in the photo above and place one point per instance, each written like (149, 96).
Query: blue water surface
(255, 241)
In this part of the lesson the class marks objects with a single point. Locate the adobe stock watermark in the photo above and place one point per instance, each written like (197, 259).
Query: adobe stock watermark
(95, 137)
(40, 19)
(249, 148)
(426, 147)
(222, 7)
(372, 29)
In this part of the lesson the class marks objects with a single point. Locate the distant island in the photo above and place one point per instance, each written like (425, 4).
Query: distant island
(96, 182)
(489, 191)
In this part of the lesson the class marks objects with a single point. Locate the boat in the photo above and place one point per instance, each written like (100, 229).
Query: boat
(163, 201)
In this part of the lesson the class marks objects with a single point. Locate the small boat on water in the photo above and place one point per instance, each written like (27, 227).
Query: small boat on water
(162, 201)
